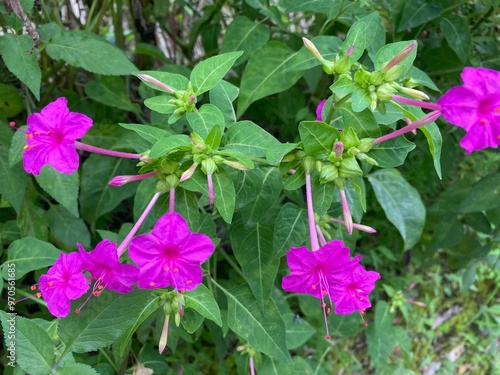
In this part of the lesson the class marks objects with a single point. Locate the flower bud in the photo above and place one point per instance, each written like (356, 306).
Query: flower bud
(399, 57)
(187, 174)
(376, 77)
(155, 82)
(338, 148)
(417, 94)
(393, 73)
(385, 91)
(312, 48)
(329, 173)
(236, 165)
(365, 144)
(342, 65)
(362, 77)
(197, 142)
(349, 167)
(208, 166)
(349, 138)
(309, 164)
(363, 157)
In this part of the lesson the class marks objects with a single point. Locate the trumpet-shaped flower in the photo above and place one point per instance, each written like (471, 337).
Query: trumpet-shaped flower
(50, 138)
(475, 107)
(63, 282)
(104, 266)
(171, 255)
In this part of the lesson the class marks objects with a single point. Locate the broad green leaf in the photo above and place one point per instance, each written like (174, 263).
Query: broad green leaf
(435, 141)
(358, 184)
(298, 331)
(250, 139)
(201, 300)
(360, 99)
(222, 96)
(191, 320)
(266, 73)
(317, 138)
(387, 52)
(161, 104)
(203, 120)
(90, 52)
(375, 33)
(343, 86)
(15, 53)
(97, 197)
(253, 249)
(356, 36)
(316, 6)
(364, 122)
(12, 102)
(273, 367)
(17, 144)
(169, 144)
(262, 327)
(296, 180)
(244, 35)
(33, 349)
(239, 156)
(224, 195)
(61, 186)
(32, 221)
(29, 254)
(111, 91)
(76, 368)
(215, 137)
(401, 203)
(277, 153)
(246, 185)
(67, 228)
(422, 78)
(48, 31)
(457, 33)
(381, 336)
(149, 133)
(484, 195)
(101, 321)
(269, 192)
(148, 309)
(14, 179)
(322, 194)
(417, 12)
(210, 72)
(391, 153)
(176, 82)
(291, 229)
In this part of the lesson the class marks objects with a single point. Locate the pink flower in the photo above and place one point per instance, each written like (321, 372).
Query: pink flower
(63, 282)
(104, 266)
(170, 255)
(475, 106)
(319, 110)
(50, 138)
(351, 293)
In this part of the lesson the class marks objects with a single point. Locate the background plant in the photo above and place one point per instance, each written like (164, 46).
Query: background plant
(89, 54)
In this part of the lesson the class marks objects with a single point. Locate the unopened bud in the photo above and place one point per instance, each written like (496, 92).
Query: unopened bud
(338, 149)
(188, 173)
(208, 166)
(329, 173)
(349, 168)
(376, 77)
(363, 157)
(393, 73)
(362, 77)
(417, 94)
(350, 50)
(155, 82)
(312, 48)
(342, 65)
(399, 57)
(308, 163)
(349, 138)
(365, 144)
(198, 142)
(177, 318)
(236, 165)
(385, 91)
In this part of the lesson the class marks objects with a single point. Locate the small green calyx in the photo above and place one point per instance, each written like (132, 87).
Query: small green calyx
(208, 166)
(349, 168)
(309, 163)
(328, 173)
(349, 138)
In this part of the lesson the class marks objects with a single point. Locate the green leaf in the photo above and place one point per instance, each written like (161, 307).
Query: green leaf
(250, 139)
(202, 300)
(375, 33)
(381, 336)
(222, 96)
(111, 91)
(97, 197)
(356, 36)
(224, 195)
(435, 141)
(457, 33)
(296, 180)
(277, 153)
(263, 327)
(101, 321)
(360, 99)
(160, 104)
(389, 51)
(272, 367)
(76, 368)
(215, 137)
(191, 320)
(210, 72)
(266, 73)
(171, 143)
(316, 6)
(149, 133)
(11, 104)
(364, 122)
(32, 221)
(244, 35)
(297, 331)
(253, 249)
(358, 184)
(417, 12)
(67, 228)
(61, 186)
(317, 138)
(484, 195)
(30, 254)
(322, 194)
(32, 346)
(391, 153)
(148, 309)
(13, 179)
(290, 230)
(15, 53)
(203, 120)
(269, 191)
(401, 203)
(343, 86)
(90, 52)
(422, 78)
(17, 144)
(246, 185)
(239, 156)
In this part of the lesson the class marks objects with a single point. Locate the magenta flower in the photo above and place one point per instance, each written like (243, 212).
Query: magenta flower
(50, 138)
(170, 255)
(63, 282)
(104, 266)
(475, 106)
(351, 293)
(319, 110)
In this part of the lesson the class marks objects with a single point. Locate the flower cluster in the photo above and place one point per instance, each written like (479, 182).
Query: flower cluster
(169, 256)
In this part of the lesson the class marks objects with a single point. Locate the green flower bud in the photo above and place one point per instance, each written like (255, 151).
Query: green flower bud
(342, 65)
(329, 173)
(363, 157)
(171, 181)
(177, 319)
(373, 101)
(208, 166)
(365, 144)
(362, 77)
(417, 94)
(168, 166)
(309, 163)
(376, 77)
(349, 138)
(349, 167)
(385, 91)
(393, 73)
(197, 142)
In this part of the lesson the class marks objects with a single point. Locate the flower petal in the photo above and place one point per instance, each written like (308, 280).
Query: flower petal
(459, 107)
